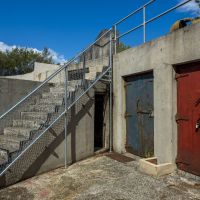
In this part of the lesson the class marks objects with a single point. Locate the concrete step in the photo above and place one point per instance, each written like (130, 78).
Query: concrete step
(18, 131)
(57, 89)
(56, 94)
(97, 68)
(56, 100)
(10, 143)
(34, 124)
(90, 76)
(61, 89)
(74, 83)
(3, 157)
(48, 108)
(34, 116)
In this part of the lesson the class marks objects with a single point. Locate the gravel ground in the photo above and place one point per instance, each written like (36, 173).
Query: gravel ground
(102, 178)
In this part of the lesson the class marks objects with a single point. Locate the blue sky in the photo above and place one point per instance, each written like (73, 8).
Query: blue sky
(67, 27)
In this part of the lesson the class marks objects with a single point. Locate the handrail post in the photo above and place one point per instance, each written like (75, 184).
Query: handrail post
(111, 95)
(115, 39)
(66, 109)
(84, 71)
(144, 24)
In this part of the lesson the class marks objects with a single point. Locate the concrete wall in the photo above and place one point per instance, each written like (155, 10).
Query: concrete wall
(48, 152)
(80, 136)
(40, 73)
(160, 56)
(12, 90)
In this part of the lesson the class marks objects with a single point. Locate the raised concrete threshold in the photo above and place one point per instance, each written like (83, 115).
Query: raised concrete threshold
(150, 166)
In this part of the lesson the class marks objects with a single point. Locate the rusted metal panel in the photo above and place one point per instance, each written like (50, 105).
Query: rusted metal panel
(139, 114)
(188, 118)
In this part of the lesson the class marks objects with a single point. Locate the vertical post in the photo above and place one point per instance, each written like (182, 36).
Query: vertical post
(111, 95)
(66, 109)
(84, 70)
(115, 38)
(144, 24)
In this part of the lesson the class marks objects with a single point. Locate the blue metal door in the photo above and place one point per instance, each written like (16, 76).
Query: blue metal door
(140, 115)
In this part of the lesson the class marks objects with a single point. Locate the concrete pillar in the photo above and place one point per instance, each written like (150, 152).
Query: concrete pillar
(163, 115)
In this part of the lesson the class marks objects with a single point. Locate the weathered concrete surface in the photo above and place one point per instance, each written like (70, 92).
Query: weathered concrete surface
(40, 73)
(150, 166)
(101, 178)
(159, 56)
(48, 152)
(11, 91)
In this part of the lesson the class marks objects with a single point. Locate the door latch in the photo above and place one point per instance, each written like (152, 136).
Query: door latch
(198, 125)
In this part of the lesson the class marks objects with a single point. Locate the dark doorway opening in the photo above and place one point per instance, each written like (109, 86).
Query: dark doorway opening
(98, 122)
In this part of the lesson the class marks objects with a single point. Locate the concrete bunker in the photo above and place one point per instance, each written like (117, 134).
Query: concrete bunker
(160, 56)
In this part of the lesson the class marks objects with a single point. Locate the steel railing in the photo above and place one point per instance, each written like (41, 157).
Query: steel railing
(65, 68)
(145, 22)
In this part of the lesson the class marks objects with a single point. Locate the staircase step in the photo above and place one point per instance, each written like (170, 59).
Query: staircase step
(96, 68)
(57, 89)
(34, 124)
(74, 83)
(18, 131)
(34, 116)
(3, 157)
(48, 108)
(56, 94)
(56, 100)
(61, 89)
(10, 143)
(90, 76)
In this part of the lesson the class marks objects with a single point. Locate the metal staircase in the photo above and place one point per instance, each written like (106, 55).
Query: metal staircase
(32, 117)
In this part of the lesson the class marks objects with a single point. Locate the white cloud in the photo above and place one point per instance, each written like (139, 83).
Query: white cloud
(4, 47)
(57, 58)
(191, 7)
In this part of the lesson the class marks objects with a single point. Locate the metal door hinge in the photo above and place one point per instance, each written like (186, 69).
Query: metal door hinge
(127, 115)
(177, 76)
(181, 118)
(126, 84)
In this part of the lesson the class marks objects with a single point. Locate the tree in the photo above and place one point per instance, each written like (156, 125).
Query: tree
(121, 47)
(20, 60)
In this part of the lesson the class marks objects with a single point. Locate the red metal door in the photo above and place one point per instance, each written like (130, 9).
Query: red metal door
(188, 118)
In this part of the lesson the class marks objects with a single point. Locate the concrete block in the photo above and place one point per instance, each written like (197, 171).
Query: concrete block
(3, 157)
(150, 166)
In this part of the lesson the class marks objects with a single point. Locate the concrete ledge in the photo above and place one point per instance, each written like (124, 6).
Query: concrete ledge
(150, 166)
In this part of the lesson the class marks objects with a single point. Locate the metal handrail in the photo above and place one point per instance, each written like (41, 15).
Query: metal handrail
(168, 11)
(145, 22)
(61, 115)
(116, 37)
(52, 76)
(109, 69)
(134, 12)
(35, 140)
